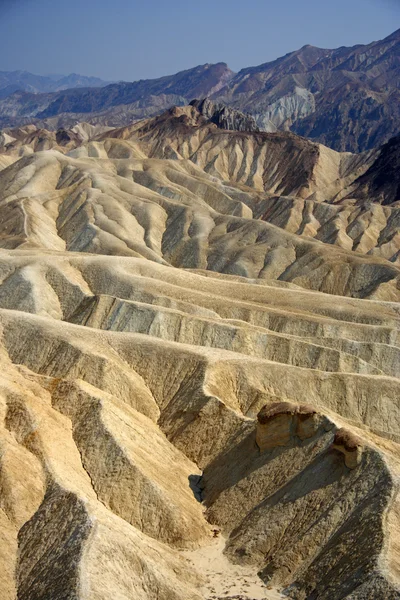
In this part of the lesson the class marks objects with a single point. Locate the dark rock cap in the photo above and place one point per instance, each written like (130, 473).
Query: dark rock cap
(270, 411)
(347, 439)
(225, 117)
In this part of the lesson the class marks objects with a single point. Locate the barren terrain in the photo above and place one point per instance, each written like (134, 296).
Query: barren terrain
(199, 353)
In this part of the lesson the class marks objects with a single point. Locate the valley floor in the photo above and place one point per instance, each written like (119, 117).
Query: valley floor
(226, 581)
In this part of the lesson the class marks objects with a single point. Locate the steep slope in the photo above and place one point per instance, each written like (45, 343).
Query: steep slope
(382, 180)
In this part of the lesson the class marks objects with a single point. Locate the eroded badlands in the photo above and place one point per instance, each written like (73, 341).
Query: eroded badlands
(199, 358)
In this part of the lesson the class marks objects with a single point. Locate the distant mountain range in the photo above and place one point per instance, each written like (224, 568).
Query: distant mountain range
(348, 99)
(13, 81)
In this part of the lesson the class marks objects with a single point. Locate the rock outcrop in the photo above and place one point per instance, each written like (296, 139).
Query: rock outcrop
(351, 446)
(279, 423)
(225, 117)
(293, 499)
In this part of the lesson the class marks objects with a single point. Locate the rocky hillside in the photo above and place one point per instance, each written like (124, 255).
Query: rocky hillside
(347, 99)
(295, 184)
(199, 350)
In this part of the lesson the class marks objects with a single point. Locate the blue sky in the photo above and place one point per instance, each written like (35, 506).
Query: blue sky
(127, 39)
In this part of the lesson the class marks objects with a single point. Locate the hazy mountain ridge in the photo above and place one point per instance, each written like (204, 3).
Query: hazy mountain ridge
(12, 81)
(147, 96)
